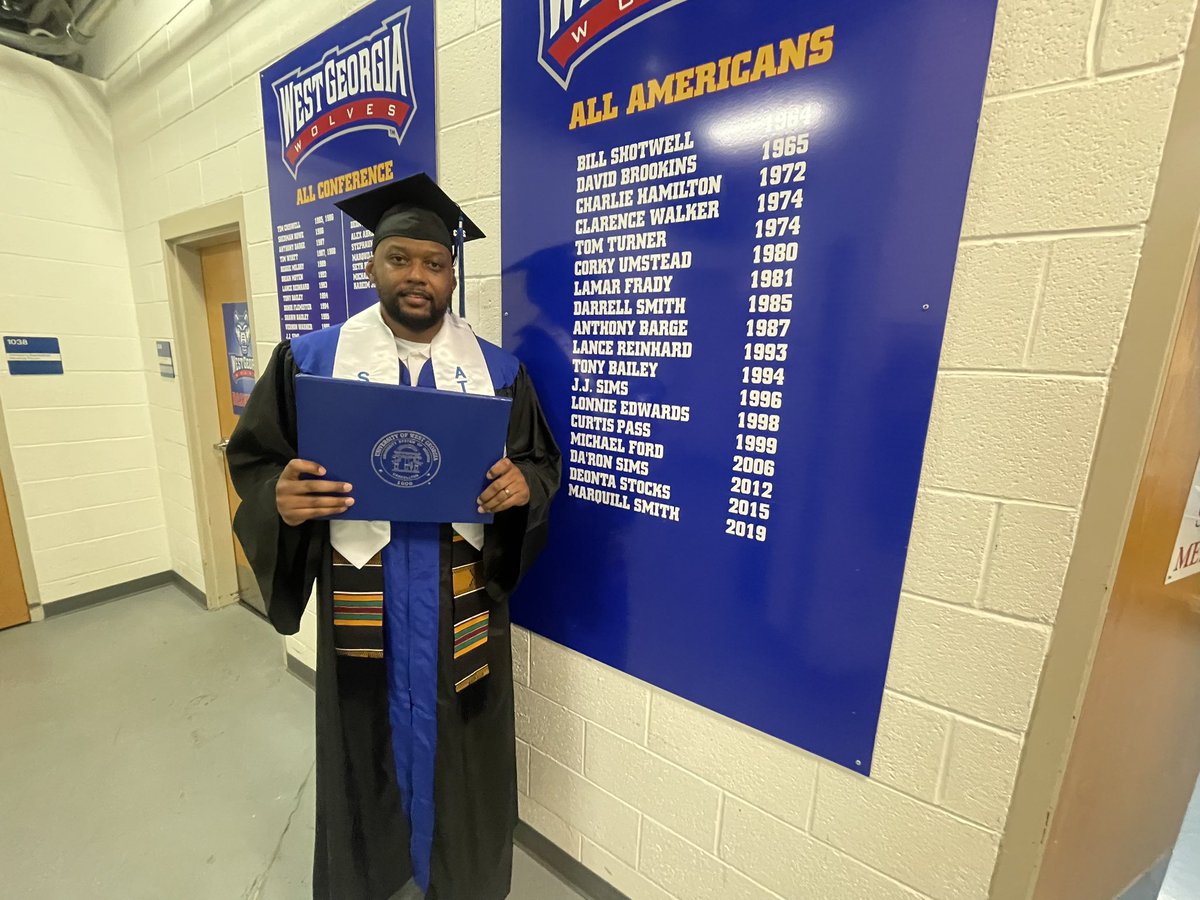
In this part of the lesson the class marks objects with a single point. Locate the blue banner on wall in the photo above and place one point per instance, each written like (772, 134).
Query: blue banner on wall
(729, 238)
(351, 109)
(239, 350)
(33, 356)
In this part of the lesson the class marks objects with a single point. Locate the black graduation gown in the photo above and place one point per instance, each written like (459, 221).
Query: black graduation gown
(362, 833)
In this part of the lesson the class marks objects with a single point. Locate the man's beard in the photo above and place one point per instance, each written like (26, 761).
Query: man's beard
(393, 306)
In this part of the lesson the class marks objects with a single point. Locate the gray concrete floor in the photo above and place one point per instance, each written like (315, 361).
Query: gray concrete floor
(150, 749)
(1183, 872)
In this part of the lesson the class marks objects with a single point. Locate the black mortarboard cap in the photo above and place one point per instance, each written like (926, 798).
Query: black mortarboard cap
(414, 207)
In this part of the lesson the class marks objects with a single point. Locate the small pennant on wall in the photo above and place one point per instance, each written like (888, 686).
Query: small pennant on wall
(166, 363)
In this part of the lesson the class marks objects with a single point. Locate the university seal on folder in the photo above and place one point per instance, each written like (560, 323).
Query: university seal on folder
(406, 459)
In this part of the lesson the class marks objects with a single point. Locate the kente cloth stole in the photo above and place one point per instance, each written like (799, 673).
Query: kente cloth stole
(358, 611)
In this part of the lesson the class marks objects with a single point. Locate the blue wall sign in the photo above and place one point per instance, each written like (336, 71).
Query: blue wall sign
(33, 356)
(166, 362)
(351, 109)
(729, 238)
(239, 350)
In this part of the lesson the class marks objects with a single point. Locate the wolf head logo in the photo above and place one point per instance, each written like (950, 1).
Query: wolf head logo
(241, 331)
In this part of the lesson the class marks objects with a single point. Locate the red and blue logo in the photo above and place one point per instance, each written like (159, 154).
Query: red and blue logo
(365, 85)
(573, 29)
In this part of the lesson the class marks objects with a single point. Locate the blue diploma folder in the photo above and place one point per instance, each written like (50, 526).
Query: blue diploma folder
(412, 454)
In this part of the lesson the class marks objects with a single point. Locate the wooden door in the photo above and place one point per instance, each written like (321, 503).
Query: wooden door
(225, 301)
(1136, 752)
(14, 607)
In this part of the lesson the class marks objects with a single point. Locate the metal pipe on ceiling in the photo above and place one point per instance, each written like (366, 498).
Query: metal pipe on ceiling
(87, 20)
(80, 30)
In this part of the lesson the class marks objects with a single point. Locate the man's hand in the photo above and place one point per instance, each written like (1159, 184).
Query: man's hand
(300, 500)
(508, 488)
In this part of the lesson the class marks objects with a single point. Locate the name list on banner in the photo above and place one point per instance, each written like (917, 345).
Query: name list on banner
(729, 234)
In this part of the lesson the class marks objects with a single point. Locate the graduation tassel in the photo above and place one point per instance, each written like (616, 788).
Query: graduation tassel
(459, 240)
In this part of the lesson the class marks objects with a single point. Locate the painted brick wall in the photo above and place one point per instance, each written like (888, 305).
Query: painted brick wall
(82, 447)
(187, 124)
(665, 799)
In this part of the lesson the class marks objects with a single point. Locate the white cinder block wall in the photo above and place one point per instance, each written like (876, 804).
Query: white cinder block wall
(182, 80)
(188, 131)
(668, 800)
(662, 798)
(81, 442)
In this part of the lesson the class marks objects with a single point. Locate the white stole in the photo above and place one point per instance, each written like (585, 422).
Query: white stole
(366, 351)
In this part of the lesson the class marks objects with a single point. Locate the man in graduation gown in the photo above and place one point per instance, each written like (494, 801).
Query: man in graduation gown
(416, 769)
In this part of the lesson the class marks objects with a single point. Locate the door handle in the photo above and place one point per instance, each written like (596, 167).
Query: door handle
(222, 446)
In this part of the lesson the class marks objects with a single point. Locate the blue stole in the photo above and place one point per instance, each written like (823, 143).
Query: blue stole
(411, 609)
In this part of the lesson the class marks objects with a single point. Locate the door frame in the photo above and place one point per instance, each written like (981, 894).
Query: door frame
(1169, 253)
(183, 237)
(16, 513)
